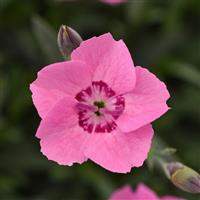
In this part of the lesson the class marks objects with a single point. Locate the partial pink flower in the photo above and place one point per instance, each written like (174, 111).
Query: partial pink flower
(98, 106)
(113, 2)
(141, 193)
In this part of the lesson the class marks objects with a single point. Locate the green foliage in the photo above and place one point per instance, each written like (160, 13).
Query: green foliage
(161, 35)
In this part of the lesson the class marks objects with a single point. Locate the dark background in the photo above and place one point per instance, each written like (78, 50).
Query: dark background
(163, 36)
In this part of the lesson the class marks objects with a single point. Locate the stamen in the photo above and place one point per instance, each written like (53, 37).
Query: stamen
(99, 104)
(97, 113)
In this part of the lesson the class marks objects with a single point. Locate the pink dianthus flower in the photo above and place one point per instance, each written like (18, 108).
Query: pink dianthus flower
(141, 193)
(98, 106)
(113, 2)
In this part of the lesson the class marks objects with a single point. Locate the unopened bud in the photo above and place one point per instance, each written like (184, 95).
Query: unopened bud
(68, 40)
(183, 177)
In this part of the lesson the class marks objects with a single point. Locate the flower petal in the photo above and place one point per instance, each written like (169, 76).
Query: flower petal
(122, 193)
(110, 60)
(110, 151)
(139, 142)
(65, 147)
(62, 140)
(58, 80)
(145, 103)
(61, 117)
(119, 152)
(113, 2)
(143, 192)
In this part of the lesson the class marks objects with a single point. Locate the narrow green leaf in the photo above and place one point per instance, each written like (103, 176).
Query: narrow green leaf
(47, 39)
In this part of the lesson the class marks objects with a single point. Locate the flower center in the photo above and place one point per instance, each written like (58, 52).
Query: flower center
(99, 104)
(98, 108)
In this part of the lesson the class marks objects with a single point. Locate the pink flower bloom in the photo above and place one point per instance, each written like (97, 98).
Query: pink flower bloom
(142, 193)
(98, 106)
(113, 2)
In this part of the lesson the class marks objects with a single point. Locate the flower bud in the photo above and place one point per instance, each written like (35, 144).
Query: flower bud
(183, 177)
(68, 40)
